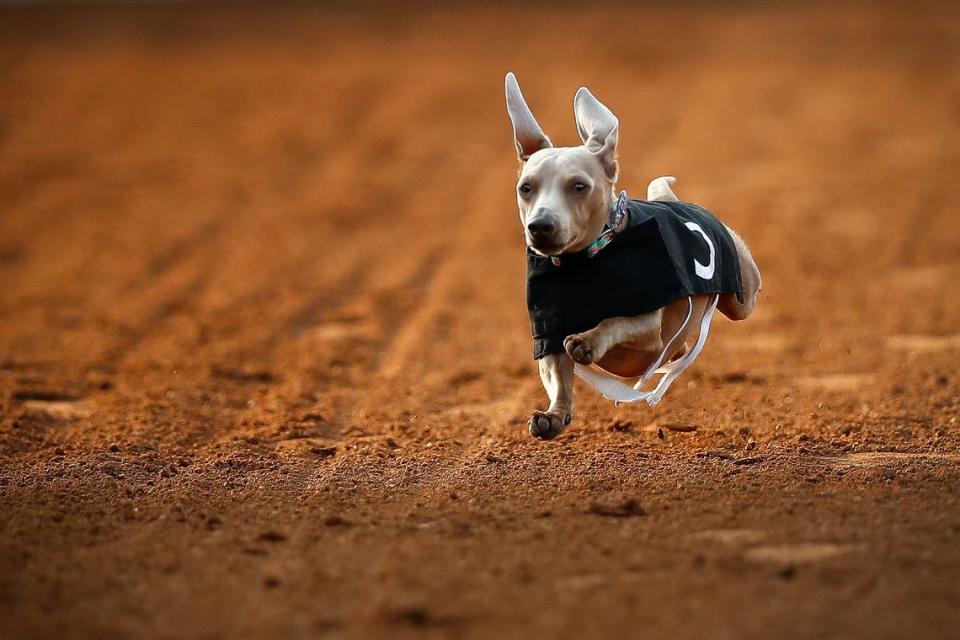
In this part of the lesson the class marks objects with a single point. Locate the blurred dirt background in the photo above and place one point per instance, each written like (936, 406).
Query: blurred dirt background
(264, 361)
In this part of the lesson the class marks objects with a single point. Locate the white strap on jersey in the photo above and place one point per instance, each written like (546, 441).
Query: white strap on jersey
(615, 389)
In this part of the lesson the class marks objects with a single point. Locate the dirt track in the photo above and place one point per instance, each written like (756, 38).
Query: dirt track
(264, 362)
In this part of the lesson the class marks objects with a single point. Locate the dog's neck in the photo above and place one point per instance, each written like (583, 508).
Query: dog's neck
(598, 226)
(617, 219)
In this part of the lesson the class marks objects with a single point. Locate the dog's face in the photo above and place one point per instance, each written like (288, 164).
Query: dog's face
(564, 194)
(564, 198)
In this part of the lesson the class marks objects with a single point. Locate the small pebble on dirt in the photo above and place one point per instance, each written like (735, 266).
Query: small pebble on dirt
(416, 616)
(272, 536)
(112, 471)
(628, 508)
(621, 426)
(735, 377)
(719, 455)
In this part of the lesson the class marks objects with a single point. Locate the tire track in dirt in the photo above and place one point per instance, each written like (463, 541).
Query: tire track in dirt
(343, 276)
(400, 307)
(207, 243)
(412, 330)
(442, 346)
(156, 301)
(400, 264)
(415, 334)
(178, 251)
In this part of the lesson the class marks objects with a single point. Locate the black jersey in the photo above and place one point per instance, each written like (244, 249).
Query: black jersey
(666, 251)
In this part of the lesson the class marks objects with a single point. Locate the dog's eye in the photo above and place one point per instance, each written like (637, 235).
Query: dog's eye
(525, 189)
(579, 187)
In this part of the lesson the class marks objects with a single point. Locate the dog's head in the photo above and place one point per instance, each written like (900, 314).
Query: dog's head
(564, 193)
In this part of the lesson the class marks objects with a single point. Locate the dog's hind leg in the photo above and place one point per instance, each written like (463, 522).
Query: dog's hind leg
(750, 279)
(556, 373)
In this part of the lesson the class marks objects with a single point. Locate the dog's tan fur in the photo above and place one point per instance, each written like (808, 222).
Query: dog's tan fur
(570, 191)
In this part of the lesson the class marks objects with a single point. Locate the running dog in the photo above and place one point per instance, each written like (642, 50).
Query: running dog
(615, 286)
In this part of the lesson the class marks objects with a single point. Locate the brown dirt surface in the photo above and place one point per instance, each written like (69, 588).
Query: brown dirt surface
(264, 361)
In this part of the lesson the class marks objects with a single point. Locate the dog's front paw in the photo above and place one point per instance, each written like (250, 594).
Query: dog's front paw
(578, 348)
(546, 426)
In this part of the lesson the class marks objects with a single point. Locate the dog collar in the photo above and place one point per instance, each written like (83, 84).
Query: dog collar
(610, 229)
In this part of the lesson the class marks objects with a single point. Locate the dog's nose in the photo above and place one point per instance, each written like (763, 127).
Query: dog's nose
(542, 227)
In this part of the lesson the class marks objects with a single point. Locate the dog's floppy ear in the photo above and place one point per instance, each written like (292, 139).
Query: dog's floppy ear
(599, 129)
(527, 134)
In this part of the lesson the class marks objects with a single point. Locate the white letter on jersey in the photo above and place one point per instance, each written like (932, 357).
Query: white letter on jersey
(705, 271)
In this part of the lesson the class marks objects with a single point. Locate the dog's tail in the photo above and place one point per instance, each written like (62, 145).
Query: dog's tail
(659, 189)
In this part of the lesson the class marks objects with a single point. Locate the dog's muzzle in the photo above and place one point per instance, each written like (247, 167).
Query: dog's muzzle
(542, 232)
